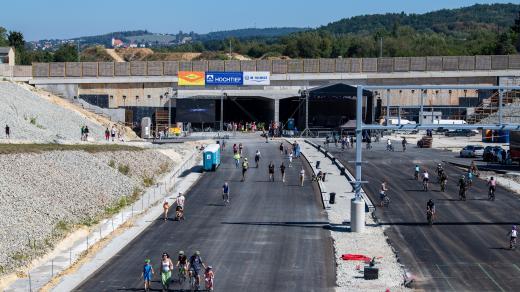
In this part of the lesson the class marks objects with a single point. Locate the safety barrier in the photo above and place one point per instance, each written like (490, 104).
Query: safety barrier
(341, 65)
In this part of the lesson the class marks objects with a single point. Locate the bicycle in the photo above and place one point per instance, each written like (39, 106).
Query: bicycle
(194, 281)
(491, 194)
(225, 198)
(386, 201)
(425, 185)
(429, 217)
(182, 275)
(443, 185)
(462, 194)
(512, 243)
(416, 175)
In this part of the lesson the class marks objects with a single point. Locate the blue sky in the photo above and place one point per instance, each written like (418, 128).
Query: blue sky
(39, 19)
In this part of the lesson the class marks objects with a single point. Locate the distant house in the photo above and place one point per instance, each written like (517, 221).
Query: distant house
(117, 43)
(7, 55)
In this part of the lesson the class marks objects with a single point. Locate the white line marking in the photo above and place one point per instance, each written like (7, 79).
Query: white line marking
(491, 278)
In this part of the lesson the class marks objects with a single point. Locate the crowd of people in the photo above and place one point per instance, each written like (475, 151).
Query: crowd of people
(193, 268)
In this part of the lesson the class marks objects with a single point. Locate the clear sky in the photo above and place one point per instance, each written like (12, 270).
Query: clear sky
(42, 19)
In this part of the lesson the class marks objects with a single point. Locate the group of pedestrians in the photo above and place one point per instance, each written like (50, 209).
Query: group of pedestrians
(84, 133)
(179, 209)
(193, 268)
(112, 133)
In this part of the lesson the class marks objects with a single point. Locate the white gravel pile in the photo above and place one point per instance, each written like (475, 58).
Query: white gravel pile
(510, 114)
(31, 117)
(38, 191)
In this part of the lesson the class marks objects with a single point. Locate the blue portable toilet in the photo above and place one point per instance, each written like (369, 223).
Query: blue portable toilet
(211, 157)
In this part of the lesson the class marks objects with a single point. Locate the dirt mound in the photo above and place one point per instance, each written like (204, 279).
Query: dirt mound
(173, 56)
(134, 54)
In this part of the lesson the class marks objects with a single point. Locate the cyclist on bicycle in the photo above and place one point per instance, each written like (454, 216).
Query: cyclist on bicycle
(389, 146)
(195, 266)
(179, 210)
(440, 170)
(182, 263)
(426, 179)
(462, 187)
(382, 192)
(492, 183)
(416, 174)
(512, 240)
(443, 180)
(430, 209)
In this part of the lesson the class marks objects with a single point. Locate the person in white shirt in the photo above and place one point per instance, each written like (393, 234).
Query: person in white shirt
(290, 159)
(302, 176)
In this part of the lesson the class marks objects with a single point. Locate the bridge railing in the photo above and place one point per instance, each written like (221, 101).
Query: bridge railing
(340, 65)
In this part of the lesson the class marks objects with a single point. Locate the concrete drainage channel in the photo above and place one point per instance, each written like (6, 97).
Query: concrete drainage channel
(66, 255)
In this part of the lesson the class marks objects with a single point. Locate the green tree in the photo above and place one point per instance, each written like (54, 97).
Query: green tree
(16, 40)
(505, 44)
(3, 37)
(66, 53)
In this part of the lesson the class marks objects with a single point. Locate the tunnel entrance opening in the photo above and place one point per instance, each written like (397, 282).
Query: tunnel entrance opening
(246, 109)
(330, 107)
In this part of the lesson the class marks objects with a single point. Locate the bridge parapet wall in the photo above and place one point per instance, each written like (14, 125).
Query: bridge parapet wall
(340, 65)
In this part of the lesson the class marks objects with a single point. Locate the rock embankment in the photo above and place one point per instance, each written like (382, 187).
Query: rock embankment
(42, 195)
(31, 117)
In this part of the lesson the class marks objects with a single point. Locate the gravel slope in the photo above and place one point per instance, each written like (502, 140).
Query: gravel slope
(51, 123)
(40, 191)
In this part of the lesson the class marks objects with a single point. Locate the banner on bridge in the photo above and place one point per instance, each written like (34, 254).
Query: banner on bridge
(191, 78)
(225, 78)
(257, 78)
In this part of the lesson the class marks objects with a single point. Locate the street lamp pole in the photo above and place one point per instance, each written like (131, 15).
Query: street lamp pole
(167, 94)
(222, 96)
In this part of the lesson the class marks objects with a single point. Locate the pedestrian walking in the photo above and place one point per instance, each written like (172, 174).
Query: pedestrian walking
(86, 131)
(166, 207)
(113, 132)
(302, 176)
(7, 132)
(166, 271)
(282, 171)
(281, 148)
(240, 148)
(257, 157)
(290, 159)
(82, 133)
(271, 171)
(147, 274)
(245, 166)
(236, 157)
(107, 134)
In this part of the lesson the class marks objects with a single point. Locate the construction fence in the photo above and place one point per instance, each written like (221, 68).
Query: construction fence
(341, 65)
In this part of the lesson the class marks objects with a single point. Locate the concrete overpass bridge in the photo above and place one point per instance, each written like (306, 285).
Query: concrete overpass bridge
(149, 84)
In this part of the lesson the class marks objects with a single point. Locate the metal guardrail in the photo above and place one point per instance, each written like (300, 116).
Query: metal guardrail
(340, 65)
(369, 206)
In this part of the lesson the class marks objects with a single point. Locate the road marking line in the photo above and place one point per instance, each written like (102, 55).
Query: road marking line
(518, 268)
(445, 278)
(491, 278)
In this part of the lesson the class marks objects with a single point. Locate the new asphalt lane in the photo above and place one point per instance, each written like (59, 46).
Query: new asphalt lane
(467, 249)
(270, 237)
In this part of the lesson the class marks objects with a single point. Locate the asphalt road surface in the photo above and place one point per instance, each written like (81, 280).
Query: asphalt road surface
(467, 249)
(270, 237)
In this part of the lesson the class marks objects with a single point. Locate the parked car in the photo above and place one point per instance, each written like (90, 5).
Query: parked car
(472, 151)
(460, 133)
(491, 153)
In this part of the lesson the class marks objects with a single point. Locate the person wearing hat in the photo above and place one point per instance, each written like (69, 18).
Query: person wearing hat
(182, 263)
(209, 276)
(147, 274)
(245, 166)
(195, 267)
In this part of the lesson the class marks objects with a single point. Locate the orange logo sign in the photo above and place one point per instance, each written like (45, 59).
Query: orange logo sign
(191, 78)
